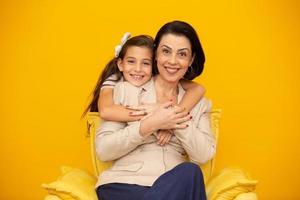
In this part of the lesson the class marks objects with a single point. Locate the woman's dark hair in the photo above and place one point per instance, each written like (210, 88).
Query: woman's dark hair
(183, 29)
(112, 68)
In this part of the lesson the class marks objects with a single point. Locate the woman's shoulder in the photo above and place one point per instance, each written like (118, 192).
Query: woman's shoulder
(204, 105)
(205, 101)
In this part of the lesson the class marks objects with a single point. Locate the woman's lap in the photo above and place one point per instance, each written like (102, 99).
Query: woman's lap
(121, 191)
(185, 181)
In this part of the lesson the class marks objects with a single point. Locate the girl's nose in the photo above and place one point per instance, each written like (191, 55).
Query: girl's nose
(138, 67)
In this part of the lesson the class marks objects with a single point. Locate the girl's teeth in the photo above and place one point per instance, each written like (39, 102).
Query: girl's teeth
(136, 77)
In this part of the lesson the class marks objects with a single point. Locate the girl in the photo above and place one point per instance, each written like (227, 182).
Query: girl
(133, 64)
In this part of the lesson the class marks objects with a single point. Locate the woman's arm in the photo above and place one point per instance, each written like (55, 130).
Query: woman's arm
(197, 139)
(115, 139)
(113, 112)
(194, 92)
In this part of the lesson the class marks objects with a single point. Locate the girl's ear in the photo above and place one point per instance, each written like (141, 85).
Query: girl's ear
(120, 64)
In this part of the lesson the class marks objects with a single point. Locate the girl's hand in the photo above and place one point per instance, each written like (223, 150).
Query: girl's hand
(164, 136)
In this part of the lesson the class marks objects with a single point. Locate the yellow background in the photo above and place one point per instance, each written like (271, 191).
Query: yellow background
(53, 51)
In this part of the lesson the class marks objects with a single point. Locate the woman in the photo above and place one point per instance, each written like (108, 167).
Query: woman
(142, 169)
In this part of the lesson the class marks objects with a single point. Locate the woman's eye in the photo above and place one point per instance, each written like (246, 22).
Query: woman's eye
(165, 51)
(182, 54)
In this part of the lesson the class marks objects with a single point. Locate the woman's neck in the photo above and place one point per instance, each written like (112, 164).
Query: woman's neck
(165, 90)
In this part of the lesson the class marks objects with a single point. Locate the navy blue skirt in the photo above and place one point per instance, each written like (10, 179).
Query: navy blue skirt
(183, 182)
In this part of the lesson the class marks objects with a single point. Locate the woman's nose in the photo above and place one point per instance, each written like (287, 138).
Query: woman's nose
(173, 59)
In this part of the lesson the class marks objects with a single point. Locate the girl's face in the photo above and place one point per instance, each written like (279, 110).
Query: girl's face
(136, 65)
(174, 56)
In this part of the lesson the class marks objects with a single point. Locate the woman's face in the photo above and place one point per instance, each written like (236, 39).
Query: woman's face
(136, 65)
(174, 56)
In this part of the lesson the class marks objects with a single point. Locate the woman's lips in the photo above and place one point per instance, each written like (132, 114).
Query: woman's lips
(171, 70)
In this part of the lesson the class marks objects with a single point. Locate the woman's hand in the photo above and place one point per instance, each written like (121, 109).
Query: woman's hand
(143, 109)
(164, 117)
(168, 117)
(164, 137)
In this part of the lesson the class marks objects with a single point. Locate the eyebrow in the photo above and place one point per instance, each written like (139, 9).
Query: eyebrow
(185, 48)
(130, 57)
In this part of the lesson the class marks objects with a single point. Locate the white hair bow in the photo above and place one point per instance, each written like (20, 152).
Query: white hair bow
(118, 48)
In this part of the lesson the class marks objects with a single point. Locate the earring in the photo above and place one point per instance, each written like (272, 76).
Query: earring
(190, 69)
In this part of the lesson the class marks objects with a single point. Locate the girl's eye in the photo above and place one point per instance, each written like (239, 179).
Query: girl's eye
(130, 61)
(147, 63)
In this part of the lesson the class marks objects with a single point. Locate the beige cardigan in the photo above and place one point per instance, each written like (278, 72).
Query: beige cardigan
(141, 161)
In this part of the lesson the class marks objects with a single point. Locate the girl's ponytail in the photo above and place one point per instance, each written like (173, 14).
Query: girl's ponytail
(110, 69)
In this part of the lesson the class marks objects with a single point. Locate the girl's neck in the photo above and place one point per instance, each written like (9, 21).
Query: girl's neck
(165, 90)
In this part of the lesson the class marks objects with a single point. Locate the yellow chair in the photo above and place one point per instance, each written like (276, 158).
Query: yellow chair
(229, 184)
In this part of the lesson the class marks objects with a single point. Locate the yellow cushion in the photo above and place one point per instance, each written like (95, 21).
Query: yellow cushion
(52, 197)
(228, 184)
(246, 196)
(93, 121)
(73, 184)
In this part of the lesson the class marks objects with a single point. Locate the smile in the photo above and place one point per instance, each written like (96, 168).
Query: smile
(136, 77)
(171, 70)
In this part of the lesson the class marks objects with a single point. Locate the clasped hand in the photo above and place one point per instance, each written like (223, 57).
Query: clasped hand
(161, 118)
